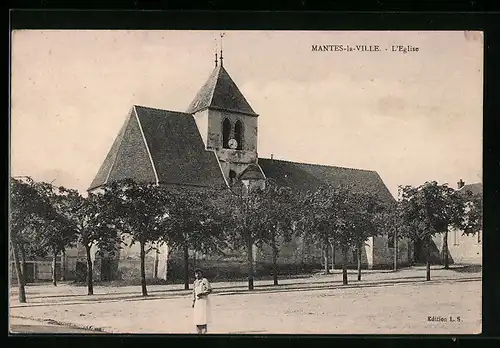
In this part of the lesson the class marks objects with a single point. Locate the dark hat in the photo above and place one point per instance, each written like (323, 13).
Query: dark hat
(198, 270)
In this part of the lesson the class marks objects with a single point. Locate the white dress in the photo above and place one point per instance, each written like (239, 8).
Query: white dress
(201, 305)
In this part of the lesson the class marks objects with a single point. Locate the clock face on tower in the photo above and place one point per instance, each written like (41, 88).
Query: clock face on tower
(233, 144)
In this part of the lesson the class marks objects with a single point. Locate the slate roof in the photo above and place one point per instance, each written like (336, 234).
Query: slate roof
(160, 146)
(104, 171)
(252, 172)
(164, 146)
(127, 158)
(220, 92)
(305, 177)
(476, 188)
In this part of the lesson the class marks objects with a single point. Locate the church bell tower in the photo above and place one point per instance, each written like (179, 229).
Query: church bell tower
(227, 123)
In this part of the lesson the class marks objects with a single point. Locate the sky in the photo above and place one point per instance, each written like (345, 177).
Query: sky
(412, 117)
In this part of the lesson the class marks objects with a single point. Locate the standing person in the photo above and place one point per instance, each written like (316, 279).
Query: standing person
(201, 301)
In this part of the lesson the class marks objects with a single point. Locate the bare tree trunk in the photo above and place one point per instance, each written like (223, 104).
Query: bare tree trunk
(55, 252)
(63, 264)
(275, 261)
(344, 266)
(249, 242)
(90, 284)
(325, 247)
(275, 267)
(333, 256)
(157, 260)
(395, 250)
(445, 250)
(23, 261)
(19, 272)
(186, 267)
(410, 246)
(250, 262)
(428, 259)
(166, 251)
(143, 269)
(359, 248)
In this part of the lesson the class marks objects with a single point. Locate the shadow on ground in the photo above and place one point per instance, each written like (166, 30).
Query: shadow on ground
(467, 268)
(301, 283)
(48, 329)
(239, 290)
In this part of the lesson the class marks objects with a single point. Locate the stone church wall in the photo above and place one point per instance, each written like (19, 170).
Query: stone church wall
(298, 256)
(383, 256)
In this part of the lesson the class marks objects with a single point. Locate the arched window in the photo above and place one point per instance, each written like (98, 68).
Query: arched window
(226, 130)
(238, 134)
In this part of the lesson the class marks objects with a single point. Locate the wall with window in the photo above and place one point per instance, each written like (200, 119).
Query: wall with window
(214, 120)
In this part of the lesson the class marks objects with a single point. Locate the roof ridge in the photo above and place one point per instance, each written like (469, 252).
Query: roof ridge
(252, 167)
(320, 165)
(111, 155)
(470, 185)
(220, 166)
(474, 183)
(194, 105)
(230, 110)
(158, 109)
(177, 149)
(119, 145)
(146, 145)
(215, 84)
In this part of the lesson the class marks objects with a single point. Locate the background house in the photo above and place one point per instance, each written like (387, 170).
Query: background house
(464, 249)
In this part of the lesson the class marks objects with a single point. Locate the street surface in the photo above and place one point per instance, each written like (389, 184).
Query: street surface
(23, 326)
(384, 302)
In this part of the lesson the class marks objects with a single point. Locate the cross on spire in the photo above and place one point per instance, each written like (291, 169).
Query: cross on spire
(216, 53)
(221, 58)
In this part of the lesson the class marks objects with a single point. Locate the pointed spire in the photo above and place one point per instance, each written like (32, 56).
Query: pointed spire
(220, 92)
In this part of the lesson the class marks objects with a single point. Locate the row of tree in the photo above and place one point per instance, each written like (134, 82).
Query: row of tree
(431, 209)
(47, 219)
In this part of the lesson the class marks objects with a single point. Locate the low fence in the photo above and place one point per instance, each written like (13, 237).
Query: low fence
(36, 271)
(129, 269)
(41, 270)
(219, 270)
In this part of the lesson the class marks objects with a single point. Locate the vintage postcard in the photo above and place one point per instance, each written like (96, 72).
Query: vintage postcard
(246, 182)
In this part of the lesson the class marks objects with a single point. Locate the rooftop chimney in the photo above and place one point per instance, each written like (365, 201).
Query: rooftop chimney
(460, 184)
(271, 156)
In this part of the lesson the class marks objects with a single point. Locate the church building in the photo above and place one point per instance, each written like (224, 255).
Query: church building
(213, 143)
